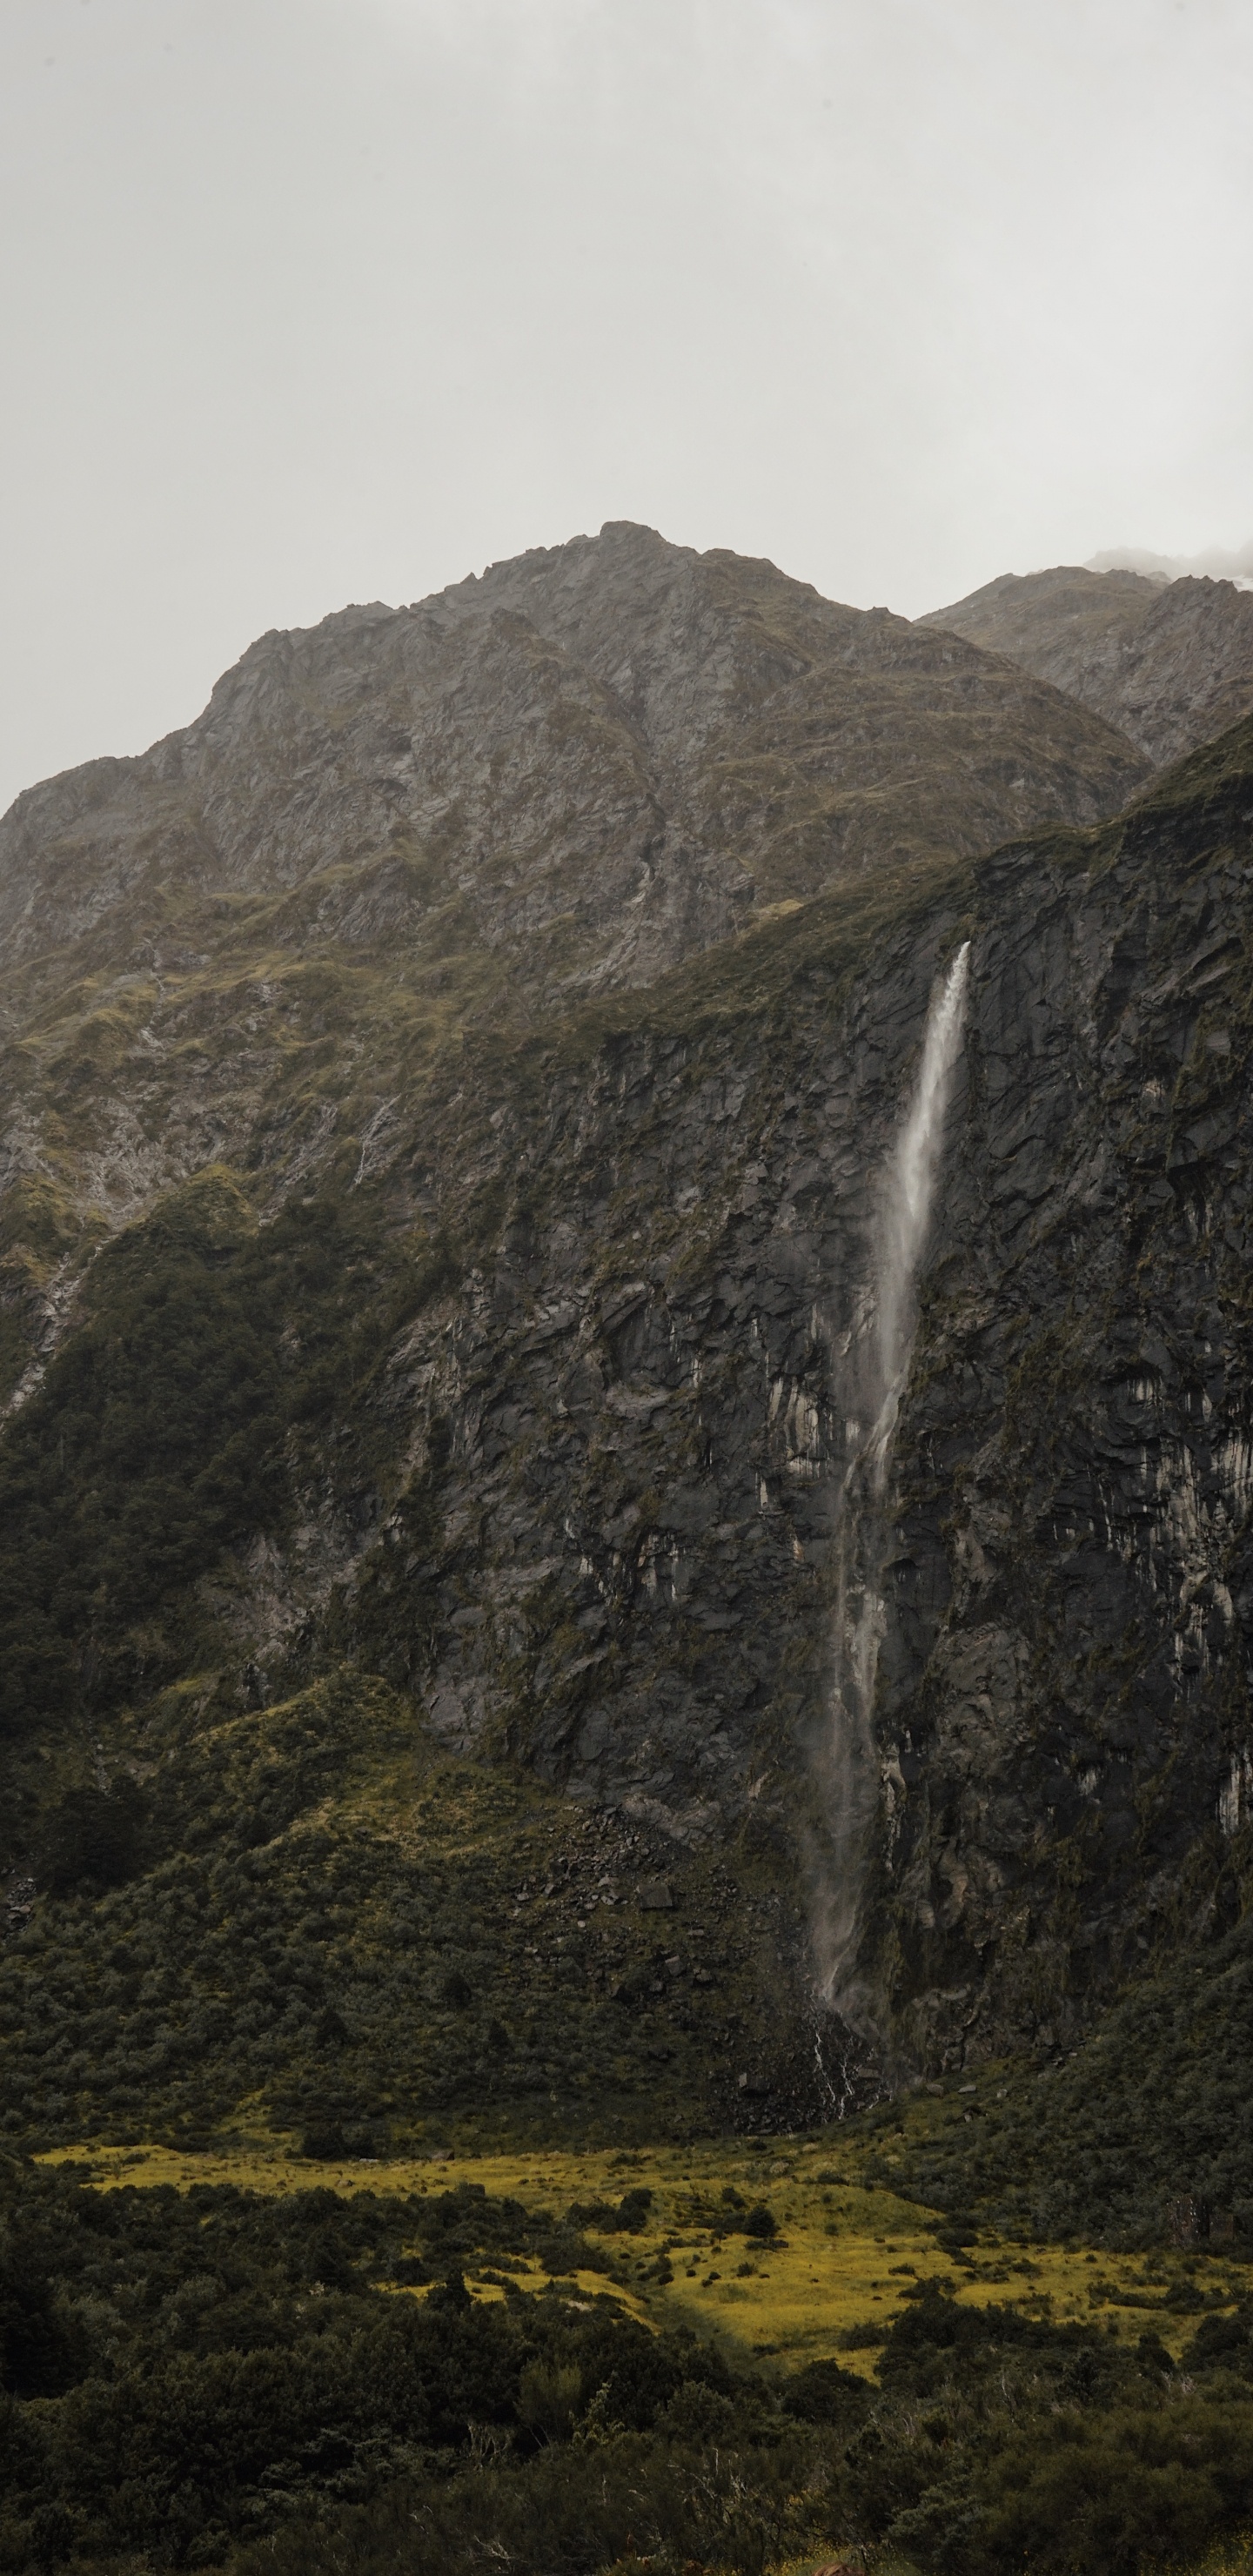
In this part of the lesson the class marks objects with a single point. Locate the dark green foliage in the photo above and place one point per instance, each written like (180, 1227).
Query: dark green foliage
(153, 1442)
(361, 1990)
(220, 2360)
(628, 2217)
(823, 2393)
(758, 2221)
(642, 2504)
(1020, 2443)
(1223, 2343)
(326, 2144)
(94, 1839)
(191, 2372)
(168, 1427)
(1155, 2110)
(1138, 2489)
(933, 2338)
(36, 2353)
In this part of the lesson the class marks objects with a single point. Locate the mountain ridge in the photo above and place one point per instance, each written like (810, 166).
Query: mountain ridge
(1171, 662)
(293, 871)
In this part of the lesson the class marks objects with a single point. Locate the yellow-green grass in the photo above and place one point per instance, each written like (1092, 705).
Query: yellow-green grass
(1228, 2558)
(847, 2256)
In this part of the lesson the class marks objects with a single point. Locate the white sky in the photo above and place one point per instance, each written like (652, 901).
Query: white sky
(314, 300)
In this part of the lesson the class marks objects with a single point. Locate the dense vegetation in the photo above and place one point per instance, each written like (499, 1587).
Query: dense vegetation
(1155, 2110)
(190, 2375)
(320, 1917)
(179, 1421)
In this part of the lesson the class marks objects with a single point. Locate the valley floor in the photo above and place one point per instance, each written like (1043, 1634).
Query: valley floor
(847, 2256)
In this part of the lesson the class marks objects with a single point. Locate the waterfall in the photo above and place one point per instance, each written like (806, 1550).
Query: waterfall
(912, 1171)
(850, 1765)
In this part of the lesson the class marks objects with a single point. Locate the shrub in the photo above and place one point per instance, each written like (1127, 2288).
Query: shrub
(759, 2222)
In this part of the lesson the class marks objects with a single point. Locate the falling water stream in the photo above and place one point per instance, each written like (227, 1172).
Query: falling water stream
(850, 1761)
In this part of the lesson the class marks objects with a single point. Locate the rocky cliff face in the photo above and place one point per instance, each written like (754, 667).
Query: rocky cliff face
(1171, 663)
(655, 1394)
(1065, 1704)
(520, 1357)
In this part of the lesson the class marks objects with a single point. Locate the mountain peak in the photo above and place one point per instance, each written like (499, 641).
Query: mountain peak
(1170, 661)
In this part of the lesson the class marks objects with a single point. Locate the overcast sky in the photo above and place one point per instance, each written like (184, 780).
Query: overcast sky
(307, 301)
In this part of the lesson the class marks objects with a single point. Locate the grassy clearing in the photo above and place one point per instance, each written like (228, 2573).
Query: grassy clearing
(278, 2363)
(847, 2258)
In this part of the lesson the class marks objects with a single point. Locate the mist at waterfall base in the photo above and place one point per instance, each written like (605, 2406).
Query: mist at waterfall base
(848, 1762)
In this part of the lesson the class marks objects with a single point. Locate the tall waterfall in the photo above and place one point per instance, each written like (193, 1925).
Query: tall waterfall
(849, 1762)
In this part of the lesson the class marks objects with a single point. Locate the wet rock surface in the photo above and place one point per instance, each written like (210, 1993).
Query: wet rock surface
(650, 1451)
(1069, 1658)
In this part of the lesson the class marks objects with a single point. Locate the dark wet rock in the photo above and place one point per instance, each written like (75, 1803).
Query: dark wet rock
(1063, 1709)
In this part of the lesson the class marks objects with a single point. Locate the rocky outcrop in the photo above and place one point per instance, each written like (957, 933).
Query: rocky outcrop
(1172, 664)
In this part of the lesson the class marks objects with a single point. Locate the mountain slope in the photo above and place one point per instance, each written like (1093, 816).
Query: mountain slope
(428, 1377)
(610, 726)
(1172, 665)
(574, 1495)
(255, 941)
